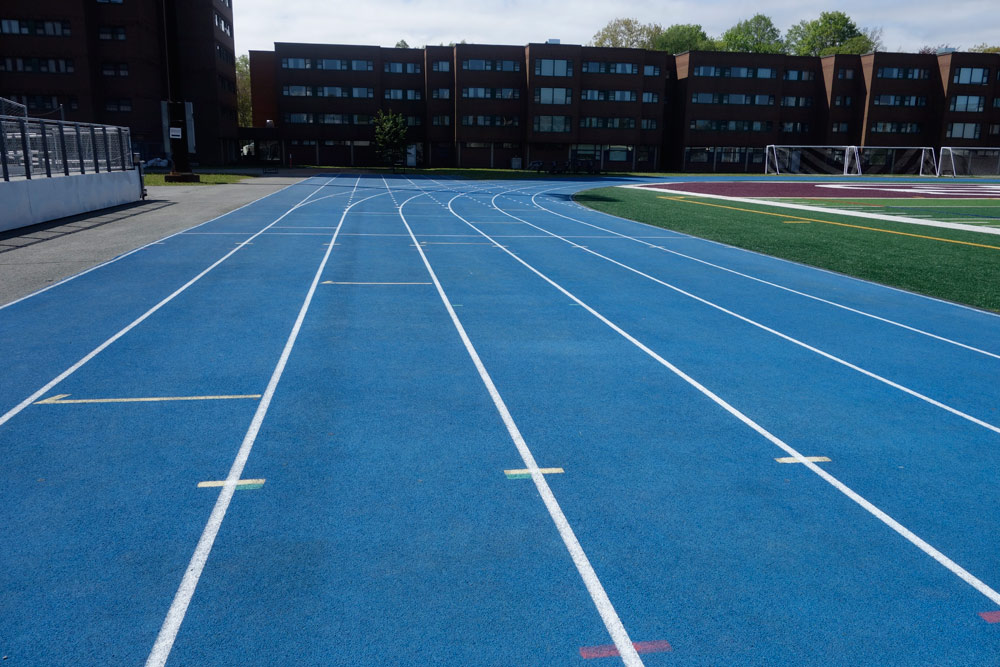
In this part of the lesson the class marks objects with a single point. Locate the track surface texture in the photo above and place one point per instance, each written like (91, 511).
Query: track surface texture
(405, 421)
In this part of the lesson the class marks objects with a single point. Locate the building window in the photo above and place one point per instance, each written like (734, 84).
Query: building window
(330, 64)
(902, 73)
(839, 128)
(967, 103)
(962, 130)
(895, 128)
(413, 121)
(731, 125)
(799, 75)
(593, 95)
(651, 70)
(793, 101)
(553, 95)
(393, 93)
(412, 94)
(40, 28)
(706, 70)
(401, 68)
(297, 91)
(552, 123)
(650, 98)
(224, 54)
(298, 118)
(361, 65)
(118, 104)
(441, 93)
(622, 95)
(610, 123)
(335, 119)
(296, 63)
(704, 98)
(37, 65)
(767, 73)
(842, 101)
(331, 91)
(845, 74)
(974, 75)
(609, 68)
(362, 92)
(649, 123)
(794, 127)
(477, 65)
(223, 25)
(441, 120)
(441, 66)
(740, 72)
(361, 119)
(507, 66)
(995, 128)
(111, 32)
(109, 2)
(548, 67)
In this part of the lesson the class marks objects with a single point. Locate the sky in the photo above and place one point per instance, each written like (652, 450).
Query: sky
(906, 24)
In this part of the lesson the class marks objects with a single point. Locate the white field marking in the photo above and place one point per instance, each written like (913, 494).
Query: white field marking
(597, 593)
(175, 616)
(775, 332)
(332, 282)
(60, 399)
(792, 459)
(821, 209)
(863, 313)
(902, 530)
(7, 416)
(222, 482)
(158, 242)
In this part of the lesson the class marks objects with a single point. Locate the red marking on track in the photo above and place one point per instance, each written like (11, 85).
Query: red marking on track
(990, 616)
(611, 651)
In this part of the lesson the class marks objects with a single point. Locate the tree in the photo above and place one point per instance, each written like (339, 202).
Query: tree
(681, 37)
(985, 48)
(627, 33)
(401, 44)
(832, 32)
(390, 135)
(244, 110)
(927, 49)
(755, 35)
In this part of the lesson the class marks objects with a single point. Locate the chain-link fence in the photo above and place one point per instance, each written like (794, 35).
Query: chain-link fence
(33, 148)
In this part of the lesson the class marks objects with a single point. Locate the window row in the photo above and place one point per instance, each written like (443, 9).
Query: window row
(114, 69)
(111, 32)
(732, 125)
(222, 24)
(899, 100)
(895, 128)
(402, 68)
(42, 28)
(492, 93)
(403, 94)
(334, 64)
(43, 65)
(749, 73)
(610, 123)
(902, 73)
(491, 121)
(593, 67)
(118, 104)
(482, 65)
(732, 98)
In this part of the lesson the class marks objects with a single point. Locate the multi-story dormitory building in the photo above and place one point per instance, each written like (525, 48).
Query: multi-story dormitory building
(475, 105)
(103, 61)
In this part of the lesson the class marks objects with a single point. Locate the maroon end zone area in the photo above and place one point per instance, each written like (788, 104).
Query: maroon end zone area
(830, 190)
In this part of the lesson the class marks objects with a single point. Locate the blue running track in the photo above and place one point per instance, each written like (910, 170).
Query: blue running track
(281, 437)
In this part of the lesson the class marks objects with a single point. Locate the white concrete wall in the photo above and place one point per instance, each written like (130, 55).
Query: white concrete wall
(27, 202)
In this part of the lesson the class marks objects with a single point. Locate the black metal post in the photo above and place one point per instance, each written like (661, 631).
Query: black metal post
(79, 150)
(3, 151)
(121, 148)
(93, 148)
(107, 148)
(25, 153)
(62, 148)
(45, 148)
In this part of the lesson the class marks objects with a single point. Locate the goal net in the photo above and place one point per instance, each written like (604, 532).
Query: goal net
(841, 160)
(12, 108)
(969, 161)
(901, 160)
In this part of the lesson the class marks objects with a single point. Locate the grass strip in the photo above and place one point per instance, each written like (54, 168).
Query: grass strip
(206, 179)
(948, 264)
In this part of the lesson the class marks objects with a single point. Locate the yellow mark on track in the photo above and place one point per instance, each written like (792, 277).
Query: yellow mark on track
(814, 459)
(60, 399)
(332, 282)
(796, 222)
(830, 222)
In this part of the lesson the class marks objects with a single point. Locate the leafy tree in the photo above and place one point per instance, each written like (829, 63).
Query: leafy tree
(932, 50)
(627, 33)
(681, 37)
(985, 48)
(755, 35)
(244, 111)
(390, 135)
(401, 44)
(832, 32)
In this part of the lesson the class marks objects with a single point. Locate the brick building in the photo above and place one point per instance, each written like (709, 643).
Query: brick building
(103, 61)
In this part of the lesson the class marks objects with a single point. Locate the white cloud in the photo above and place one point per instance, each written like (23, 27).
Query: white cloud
(906, 25)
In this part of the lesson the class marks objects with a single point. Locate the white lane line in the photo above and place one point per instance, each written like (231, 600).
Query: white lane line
(902, 530)
(7, 416)
(777, 286)
(763, 327)
(597, 593)
(178, 608)
(157, 242)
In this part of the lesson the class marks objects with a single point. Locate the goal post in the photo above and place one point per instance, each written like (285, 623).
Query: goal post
(956, 161)
(833, 160)
(898, 160)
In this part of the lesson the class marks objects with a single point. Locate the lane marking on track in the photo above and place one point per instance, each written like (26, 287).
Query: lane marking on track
(602, 602)
(611, 651)
(525, 473)
(734, 272)
(192, 574)
(241, 485)
(60, 399)
(331, 282)
(793, 459)
(864, 503)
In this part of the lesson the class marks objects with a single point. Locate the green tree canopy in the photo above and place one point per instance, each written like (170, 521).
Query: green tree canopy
(390, 135)
(401, 44)
(627, 33)
(832, 32)
(244, 110)
(985, 48)
(757, 34)
(681, 37)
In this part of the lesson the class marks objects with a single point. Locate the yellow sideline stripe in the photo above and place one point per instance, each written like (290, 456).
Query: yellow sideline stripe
(830, 222)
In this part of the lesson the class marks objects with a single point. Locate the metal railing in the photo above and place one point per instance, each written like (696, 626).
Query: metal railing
(35, 148)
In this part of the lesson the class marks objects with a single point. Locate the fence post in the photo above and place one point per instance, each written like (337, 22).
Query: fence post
(45, 148)
(62, 148)
(93, 149)
(79, 150)
(107, 148)
(3, 151)
(25, 153)
(121, 148)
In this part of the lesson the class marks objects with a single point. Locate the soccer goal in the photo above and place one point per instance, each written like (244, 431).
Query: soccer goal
(841, 160)
(898, 160)
(969, 161)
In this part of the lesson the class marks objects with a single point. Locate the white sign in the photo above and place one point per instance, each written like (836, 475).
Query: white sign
(175, 133)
